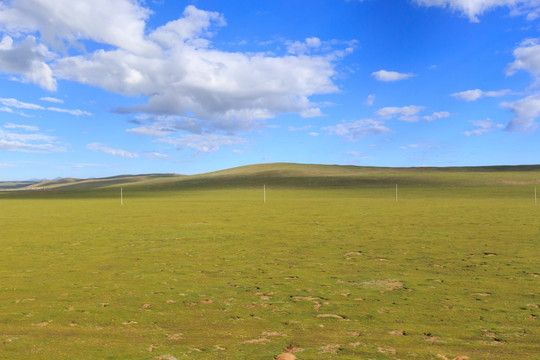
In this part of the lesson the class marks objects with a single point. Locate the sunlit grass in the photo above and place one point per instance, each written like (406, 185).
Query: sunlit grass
(218, 274)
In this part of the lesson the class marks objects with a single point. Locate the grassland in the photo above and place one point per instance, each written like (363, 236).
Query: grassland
(330, 267)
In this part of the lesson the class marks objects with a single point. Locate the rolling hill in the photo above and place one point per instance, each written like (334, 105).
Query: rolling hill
(298, 175)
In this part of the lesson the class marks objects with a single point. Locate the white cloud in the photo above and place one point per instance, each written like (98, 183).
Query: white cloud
(22, 127)
(303, 128)
(307, 46)
(474, 8)
(311, 112)
(28, 147)
(157, 156)
(175, 65)
(475, 94)
(72, 112)
(482, 127)
(313, 133)
(419, 146)
(437, 115)
(189, 29)
(167, 125)
(111, 151)
(203, 142)
(370, 100)
(62, 23)
(497, 93)
(469, 95)
(388, 76)
(29, 140)
(405, 113)
(52, 99)
(14, 103)
(28, 59)
(527, 57)
(526, 111)
(358, 129)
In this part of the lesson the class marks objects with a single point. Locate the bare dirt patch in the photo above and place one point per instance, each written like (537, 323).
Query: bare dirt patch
(333, 316)
(42, 324)
(444, 357)
(329, 349)
(177, 336)
(387, 350)
(272, 333)
(433, 339)
(165, 357)
(257, 341)
(286, 356)
(384, 284)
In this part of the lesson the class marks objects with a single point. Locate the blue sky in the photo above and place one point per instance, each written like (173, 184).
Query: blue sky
(93, 88)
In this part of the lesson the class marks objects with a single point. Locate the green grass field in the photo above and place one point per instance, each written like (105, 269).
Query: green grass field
(330, 267)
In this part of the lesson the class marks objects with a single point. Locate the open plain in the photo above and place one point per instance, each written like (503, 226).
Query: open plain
(331, 266)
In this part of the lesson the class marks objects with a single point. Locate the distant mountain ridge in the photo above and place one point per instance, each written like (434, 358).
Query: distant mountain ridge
(295, 175)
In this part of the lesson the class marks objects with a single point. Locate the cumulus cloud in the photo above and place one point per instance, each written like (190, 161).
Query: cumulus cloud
(527, 57)
(405, 113)
(475, 94)
(175, 66)
(474, 8)
(28, 59)
(526, 111)
(63, 23)
(482, 127)
(389, 76)
(356, 130)
(308, 45)
(111, 151)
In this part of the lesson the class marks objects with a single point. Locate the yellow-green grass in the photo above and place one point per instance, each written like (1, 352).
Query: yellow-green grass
(336, 272)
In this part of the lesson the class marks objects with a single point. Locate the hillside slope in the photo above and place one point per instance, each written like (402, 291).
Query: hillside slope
(303, 175)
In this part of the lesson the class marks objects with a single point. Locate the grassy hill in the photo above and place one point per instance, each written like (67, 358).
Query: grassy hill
(329, 267)
(300, 176)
